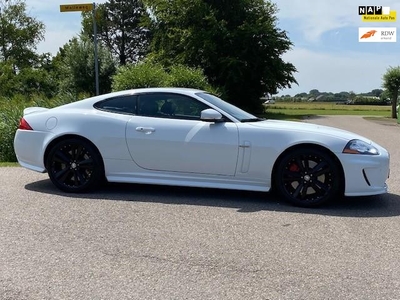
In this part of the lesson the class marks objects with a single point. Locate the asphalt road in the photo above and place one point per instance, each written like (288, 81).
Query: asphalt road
(149, 242)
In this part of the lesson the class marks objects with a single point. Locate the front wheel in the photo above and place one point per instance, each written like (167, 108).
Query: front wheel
(74, 165)
(308, 177)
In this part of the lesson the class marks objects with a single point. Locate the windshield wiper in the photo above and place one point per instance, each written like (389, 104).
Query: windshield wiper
(252, 120)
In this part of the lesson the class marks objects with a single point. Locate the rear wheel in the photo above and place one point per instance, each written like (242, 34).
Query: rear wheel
(308, 177)
(74, 165)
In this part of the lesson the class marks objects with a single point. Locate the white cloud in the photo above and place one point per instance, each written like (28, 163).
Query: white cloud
(333, 72)
(335, 69)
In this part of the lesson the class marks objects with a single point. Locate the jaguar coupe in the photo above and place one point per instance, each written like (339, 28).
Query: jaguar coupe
(188, 137)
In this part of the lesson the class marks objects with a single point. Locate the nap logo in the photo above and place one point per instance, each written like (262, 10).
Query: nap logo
(377, 14)
(377, 34)
(370, 10)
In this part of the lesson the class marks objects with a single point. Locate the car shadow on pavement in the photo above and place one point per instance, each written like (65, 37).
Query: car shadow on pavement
(387, 205)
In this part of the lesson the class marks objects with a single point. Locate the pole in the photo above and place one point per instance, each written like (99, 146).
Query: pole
(96, 60)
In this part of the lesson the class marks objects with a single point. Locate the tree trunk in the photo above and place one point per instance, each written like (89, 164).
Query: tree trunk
(395, 95)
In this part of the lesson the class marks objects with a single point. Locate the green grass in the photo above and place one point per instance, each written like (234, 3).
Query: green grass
(9, 164)
(298, 111)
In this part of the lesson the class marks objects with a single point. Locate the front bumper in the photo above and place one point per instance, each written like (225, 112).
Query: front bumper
(366, 174)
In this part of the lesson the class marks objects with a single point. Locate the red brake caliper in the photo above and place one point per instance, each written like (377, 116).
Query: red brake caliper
(294, 168)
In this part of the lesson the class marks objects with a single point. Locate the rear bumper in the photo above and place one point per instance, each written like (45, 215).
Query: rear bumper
(29, 147)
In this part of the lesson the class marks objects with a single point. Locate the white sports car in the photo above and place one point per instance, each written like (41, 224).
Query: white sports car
(187, 137)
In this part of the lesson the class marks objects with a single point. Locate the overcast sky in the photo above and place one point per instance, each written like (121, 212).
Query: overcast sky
(326, 50)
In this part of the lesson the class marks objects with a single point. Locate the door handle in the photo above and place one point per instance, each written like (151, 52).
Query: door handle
(145, 130)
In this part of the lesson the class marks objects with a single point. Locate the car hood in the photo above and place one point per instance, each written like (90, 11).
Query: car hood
(309, 128)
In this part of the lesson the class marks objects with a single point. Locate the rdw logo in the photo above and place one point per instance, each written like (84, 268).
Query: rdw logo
(377, 34)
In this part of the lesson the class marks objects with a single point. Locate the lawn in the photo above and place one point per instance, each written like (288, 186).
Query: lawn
(297, 111)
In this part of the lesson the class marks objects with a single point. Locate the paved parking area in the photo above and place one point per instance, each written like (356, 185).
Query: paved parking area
(150, 242)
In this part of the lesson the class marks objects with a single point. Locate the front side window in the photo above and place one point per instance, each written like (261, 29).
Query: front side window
(169, 105)
(232, 110)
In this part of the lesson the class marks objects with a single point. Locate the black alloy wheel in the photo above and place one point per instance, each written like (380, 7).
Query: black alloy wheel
(308, 177)
(74, 165)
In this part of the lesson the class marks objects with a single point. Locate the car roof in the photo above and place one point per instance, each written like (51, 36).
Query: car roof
(180, 90)
(88, 102)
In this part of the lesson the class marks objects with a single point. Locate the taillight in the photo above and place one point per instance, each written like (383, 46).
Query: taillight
(23, 125)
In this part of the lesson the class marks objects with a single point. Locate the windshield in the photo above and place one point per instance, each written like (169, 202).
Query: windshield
(230, 109)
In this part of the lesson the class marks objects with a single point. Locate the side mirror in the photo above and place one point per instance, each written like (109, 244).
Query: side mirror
(211, 115)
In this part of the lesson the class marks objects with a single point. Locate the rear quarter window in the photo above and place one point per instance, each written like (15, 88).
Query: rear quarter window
(121, 105)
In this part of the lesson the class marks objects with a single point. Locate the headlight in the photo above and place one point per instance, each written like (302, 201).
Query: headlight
(360, 147)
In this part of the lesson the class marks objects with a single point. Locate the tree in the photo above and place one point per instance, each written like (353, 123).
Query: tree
(75, 64)
(376, 92)
(341, 95)
(236, 43)
(314, 92)
(27, 81)
(19, 34)
(120, 29)
(20, 65)
(352, 95)
(301, 95)
(34, 81)
(391, 82)
(385, 96)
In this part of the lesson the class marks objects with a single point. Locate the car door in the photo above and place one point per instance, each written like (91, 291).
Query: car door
(168, 135)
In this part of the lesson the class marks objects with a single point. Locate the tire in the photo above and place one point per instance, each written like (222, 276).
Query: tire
(74, 165)
(308, 177)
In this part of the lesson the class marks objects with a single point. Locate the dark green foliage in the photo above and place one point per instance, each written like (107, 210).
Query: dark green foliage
(182, 76)
(314, 92)
(6, 143)
(391, 82)
(75, 64)
(9, 119)
(367, 101)
(19, 34)
(8, 82)
(236, 42)
(376, 92)
(27, 81)
(36, 81)
(120, 29)
(148, 74)
(22, 70)
(142, 75)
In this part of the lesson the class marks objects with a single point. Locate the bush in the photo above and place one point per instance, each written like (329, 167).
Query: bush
(142, 75)
(149, 74)
(61, 99)
(9, 120)
(368, 101)
(182, 76)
